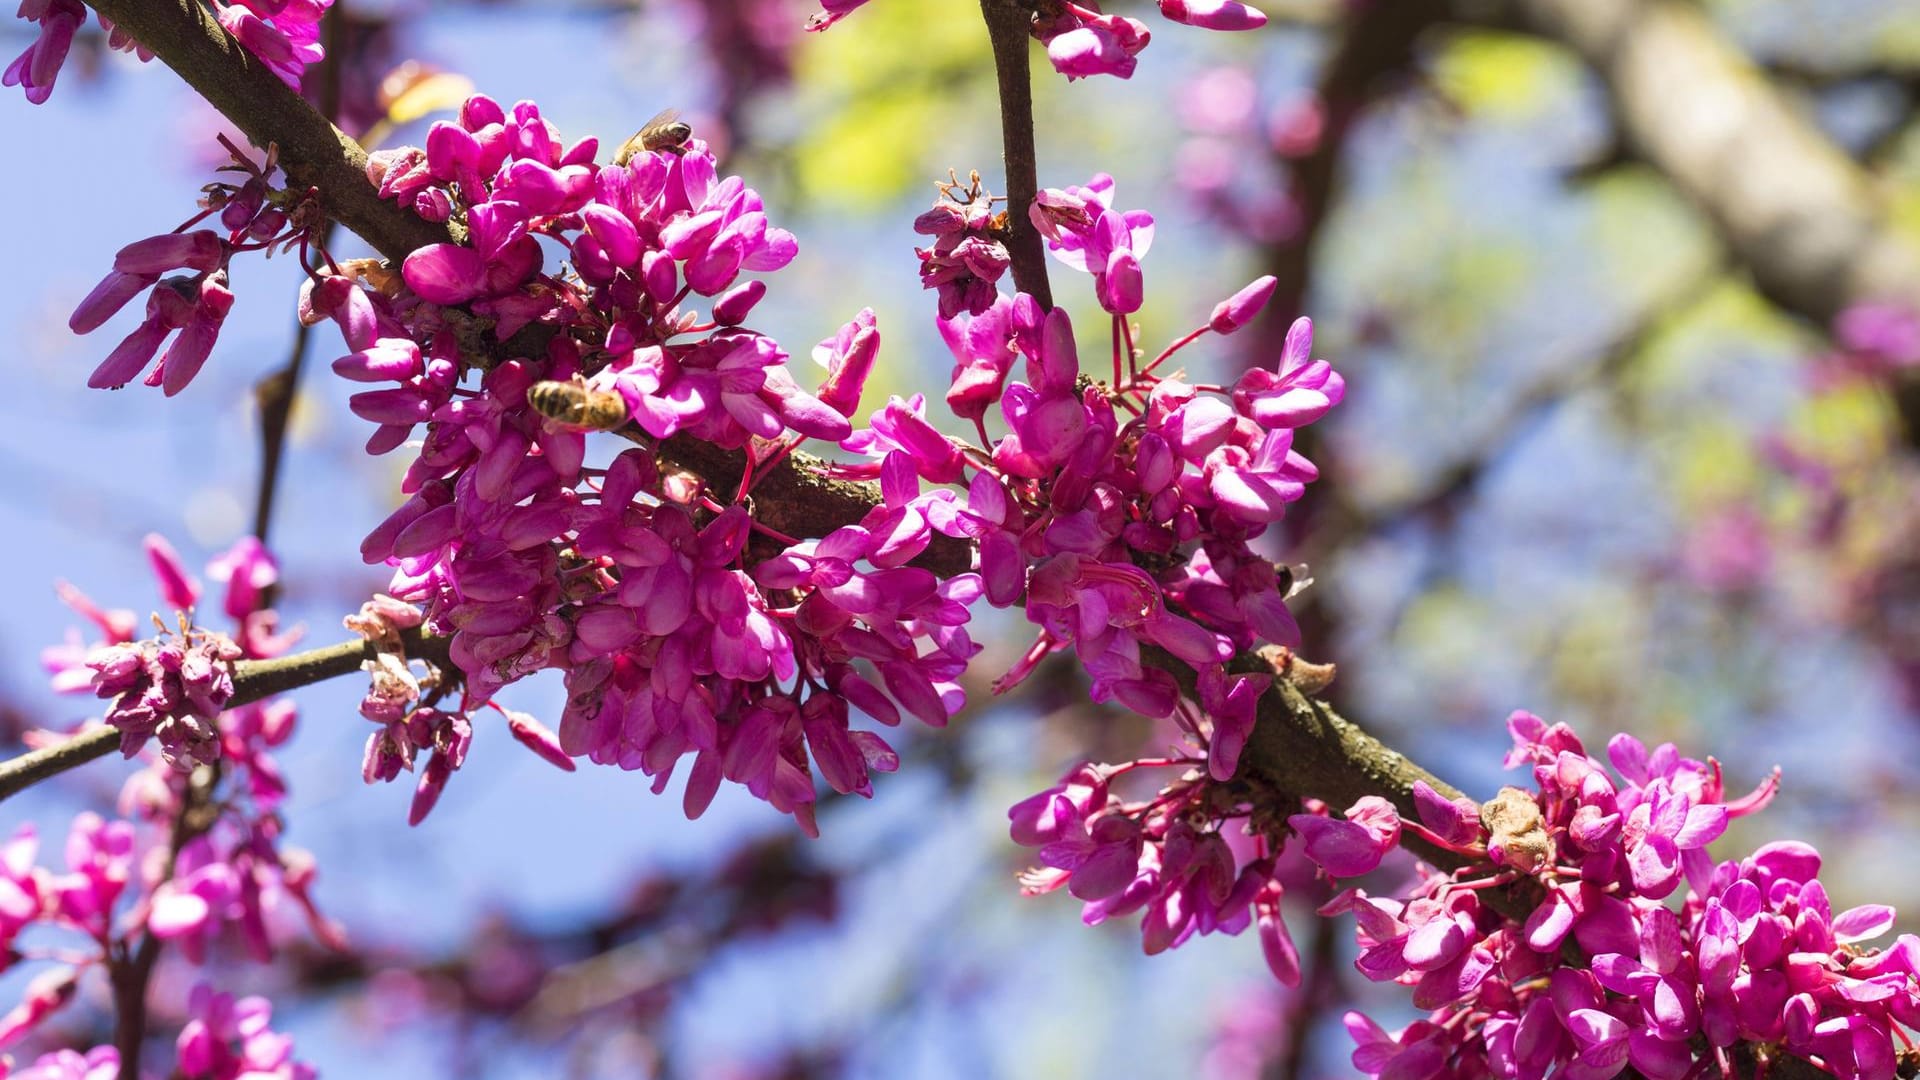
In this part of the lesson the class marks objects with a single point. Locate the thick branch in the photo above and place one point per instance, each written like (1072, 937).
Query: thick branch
(797, 498)
(1801, 215)
(252, 681)
(1791, 206)
(1009, 25)
(314, 153)
(1373, 47)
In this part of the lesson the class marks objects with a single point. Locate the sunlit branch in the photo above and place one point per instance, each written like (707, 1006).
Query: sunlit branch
(1008, 26)
(1799, 213)
(252, 681)
(313, 152)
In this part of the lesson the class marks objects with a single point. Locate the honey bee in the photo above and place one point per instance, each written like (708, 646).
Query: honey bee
(666, 131)
(572, 404)
(378, 273)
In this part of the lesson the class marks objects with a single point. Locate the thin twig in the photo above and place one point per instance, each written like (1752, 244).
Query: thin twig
(131, 973)
(275, 394)
(1009, 27)
(252, 681)
(1317, 991)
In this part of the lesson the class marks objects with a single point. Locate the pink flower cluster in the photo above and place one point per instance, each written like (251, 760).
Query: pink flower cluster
(283, 34)
(134, 877)
(1082, 40)
(1604, 974)
(1173, 858)
(684, 626)
(1123, 515)
(254, 215)
(1083, 231)
(232, 1040)
(99, 1063)
(229, 878)
(225, 1040)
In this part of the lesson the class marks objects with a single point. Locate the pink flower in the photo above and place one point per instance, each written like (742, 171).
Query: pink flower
(99, 1063)
(1079, 46)
(227, 1039)
(21, 896)
(1298, 393)
(177, 587)
(1239, 309)
(202, 894)
(284, 35)
(248, 570)
(1213, 14)
(99, 858)
(983, 351)
(1354, 846)
(45, 995)
(832, 11)
(36, 69)
(848, 358)
(1084, 232)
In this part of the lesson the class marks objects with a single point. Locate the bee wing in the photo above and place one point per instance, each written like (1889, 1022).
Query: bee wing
(639, 139)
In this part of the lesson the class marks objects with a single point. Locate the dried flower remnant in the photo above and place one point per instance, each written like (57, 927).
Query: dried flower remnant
(969, 254)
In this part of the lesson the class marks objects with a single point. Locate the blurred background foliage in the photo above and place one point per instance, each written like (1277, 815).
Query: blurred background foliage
(1583, 468)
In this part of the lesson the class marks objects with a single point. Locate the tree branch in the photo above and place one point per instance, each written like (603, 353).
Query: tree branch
(252, 681)
(1799, 213)
(1795, 210)
(1374, 44)
(130, 971)
(1009, 25)
(796, 496)
(314, 153)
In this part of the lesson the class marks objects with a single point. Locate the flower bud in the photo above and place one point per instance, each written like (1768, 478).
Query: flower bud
(1239, 309)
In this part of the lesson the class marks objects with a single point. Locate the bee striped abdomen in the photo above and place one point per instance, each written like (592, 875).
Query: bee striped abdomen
(664, 132)
(572, 404)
